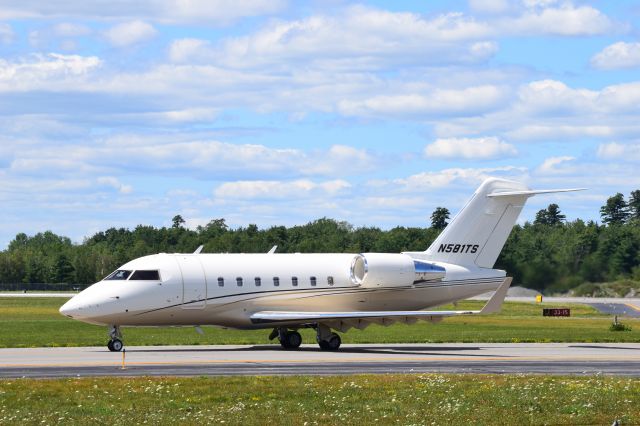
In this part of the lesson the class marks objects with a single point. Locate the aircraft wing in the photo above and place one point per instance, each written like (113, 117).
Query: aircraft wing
(361, 319)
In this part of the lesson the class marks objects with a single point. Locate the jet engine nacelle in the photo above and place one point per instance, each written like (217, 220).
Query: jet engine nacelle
(372, 270)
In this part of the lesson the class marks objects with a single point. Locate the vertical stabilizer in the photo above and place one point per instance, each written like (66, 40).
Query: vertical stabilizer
(478, 232)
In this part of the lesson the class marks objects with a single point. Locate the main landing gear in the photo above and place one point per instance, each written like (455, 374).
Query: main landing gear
(291, 339)
(115, 343)
(327, 340)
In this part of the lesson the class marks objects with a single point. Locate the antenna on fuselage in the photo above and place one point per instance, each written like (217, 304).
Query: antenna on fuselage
(273, 249)
(199, 249)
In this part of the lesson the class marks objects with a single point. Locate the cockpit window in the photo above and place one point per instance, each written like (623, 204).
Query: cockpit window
(120, 274)
(145, 275)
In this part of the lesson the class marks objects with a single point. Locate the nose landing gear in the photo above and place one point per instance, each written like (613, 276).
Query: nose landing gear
(115, 343)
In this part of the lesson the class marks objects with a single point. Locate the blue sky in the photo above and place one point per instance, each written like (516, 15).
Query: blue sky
(118, 113)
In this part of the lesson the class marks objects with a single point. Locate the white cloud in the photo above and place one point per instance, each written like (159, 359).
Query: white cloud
(483, 49)
(437, 102)
(619, 151)
(602, 178)
(323, 63)
(428, 181)
(549, 110)
(559, 131)
(366, 38)
(470, 148)
(208, 159)
(566, 20)
(359, 36)
(616, 56)
(214, 88)
(115, 183)
(553, 97)
(175, 118)
(190, 115)
(6, 33)
(67, 29)
(550, 165)
(131, 154)
(210, 12)
(538, 3)
(52, 72)
(340, 160)
(130, 33)
(621, 98)
(280, 189)
(190, 49)
(545, 109)
(216, 11)
(489, 6)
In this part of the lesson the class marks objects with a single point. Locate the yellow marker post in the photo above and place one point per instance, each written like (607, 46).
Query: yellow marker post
(538, 298)
(124, 351)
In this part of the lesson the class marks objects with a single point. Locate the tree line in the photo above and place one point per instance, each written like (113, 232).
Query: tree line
(548, 254)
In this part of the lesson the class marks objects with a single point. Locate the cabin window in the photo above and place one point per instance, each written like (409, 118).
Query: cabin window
(239, 281)
(330, 280)
(313, 281)
(258, 281)
(276, 281)
(294, 281)
(118, 275)
(145, 275)
(220, 282)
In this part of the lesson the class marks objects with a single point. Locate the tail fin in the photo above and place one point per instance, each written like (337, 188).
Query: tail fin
(478, 232)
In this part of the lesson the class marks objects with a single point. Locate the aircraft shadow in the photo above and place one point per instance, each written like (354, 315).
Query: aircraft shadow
(395, 350)
(602, 347)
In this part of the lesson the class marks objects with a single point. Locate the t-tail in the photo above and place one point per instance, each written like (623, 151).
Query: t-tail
(478, 232)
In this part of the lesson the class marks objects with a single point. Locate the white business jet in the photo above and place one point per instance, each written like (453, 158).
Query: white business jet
(327, 292)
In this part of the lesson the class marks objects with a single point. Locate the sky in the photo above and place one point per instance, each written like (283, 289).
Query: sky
(278, 112)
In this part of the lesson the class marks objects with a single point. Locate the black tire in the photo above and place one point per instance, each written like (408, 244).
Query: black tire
(333, 344)
(292, 340)
(117, 345)
(110, 345)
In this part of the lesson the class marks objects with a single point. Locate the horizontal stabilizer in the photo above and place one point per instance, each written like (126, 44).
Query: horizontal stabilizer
(532, 192)
(493, 305)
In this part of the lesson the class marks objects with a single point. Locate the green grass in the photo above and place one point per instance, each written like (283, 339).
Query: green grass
(304, 400)
(36, 322)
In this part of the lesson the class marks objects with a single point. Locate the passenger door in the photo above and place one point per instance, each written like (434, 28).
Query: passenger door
(194, 284)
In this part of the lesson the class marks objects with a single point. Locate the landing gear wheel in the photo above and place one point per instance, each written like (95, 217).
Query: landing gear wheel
(332, 344)
(291, 340)
(115, 345)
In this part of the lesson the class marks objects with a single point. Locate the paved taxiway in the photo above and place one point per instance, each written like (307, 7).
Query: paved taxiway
(552, 358)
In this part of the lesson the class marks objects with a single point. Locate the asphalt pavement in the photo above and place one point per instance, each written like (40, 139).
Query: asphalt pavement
(499, 358)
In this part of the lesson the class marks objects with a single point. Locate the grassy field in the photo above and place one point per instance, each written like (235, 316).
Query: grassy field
(304, 400)
(36, 322)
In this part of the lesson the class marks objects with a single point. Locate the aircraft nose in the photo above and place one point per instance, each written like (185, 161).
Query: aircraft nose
(71, 309)
(90, 305)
